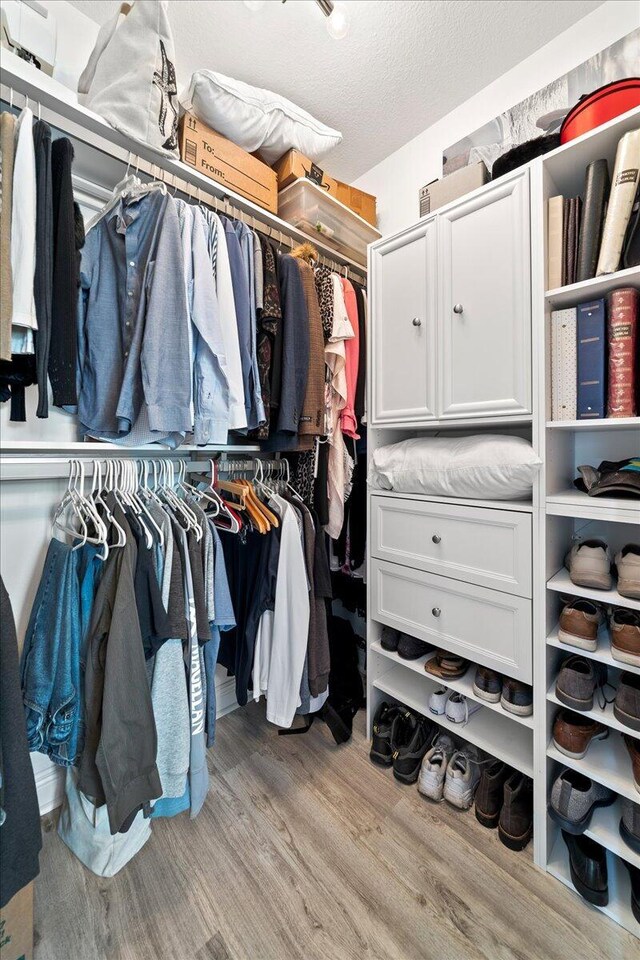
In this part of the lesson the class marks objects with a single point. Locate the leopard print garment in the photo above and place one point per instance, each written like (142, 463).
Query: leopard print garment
(324, 289)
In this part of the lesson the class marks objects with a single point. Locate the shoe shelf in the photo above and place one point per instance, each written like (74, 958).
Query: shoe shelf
(607, 423)
(602, 654)
(561, 583)
(606, 761)
(573, 503)
(511, 743)
(605, 715)
(592, 289)
(464, 685)
(619, 906)
(605, 828)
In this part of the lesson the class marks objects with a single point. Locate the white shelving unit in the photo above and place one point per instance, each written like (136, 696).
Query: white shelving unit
(559, 513)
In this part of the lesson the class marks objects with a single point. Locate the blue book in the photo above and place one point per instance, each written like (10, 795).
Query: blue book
(592, 360)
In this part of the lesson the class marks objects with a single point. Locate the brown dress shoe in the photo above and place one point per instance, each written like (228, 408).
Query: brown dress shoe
(633, 746)
(625, 636)
(579, 623)
(572, 733)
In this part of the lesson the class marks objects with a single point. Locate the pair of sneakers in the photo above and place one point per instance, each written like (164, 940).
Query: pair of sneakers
(454, 706)
(450, 773)
(400, 739)
(590, 565)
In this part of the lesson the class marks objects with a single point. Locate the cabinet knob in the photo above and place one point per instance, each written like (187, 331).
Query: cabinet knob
(435, 538)
(436, 611)
(457, 308)
(417, 322)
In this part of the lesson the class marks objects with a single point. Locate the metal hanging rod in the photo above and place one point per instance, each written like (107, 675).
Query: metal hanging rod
(60, 108)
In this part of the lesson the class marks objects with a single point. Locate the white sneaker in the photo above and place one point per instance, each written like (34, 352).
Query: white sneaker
(628, 565)
(438, 701)
(458, 709)
(463, 775)
(434, 766)
(589, 564)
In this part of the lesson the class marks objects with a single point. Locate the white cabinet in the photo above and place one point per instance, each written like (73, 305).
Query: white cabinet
(404, 312)
(484, 303)
(451, 312)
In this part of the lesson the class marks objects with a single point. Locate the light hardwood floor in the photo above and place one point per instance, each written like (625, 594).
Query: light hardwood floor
(306, 850)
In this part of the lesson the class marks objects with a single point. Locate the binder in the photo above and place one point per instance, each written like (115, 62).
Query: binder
(591, 360)
(563, 364)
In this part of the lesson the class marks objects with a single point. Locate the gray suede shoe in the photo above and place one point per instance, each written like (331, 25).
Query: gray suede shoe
(578, 681)
(574, 797)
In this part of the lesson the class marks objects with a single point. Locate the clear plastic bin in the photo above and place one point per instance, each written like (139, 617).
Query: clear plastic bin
(309, 208)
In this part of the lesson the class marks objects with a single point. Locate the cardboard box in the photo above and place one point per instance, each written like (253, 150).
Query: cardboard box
(439, 192)
(227, 163)
(293, 165)
(16, 926)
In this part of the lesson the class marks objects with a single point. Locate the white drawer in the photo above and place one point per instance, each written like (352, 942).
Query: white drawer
(489, 547)
(486, 626)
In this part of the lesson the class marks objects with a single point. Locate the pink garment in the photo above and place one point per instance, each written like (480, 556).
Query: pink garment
(348, 422)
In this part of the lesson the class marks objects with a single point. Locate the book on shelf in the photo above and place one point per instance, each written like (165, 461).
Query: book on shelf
(565, 231)
(591, 348)
(554, 242)
(624, 185)
(622, 329)
(563, 364)
(596, 194)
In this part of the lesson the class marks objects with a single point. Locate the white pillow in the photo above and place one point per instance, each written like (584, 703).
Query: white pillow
(256, 119)
(483, 467)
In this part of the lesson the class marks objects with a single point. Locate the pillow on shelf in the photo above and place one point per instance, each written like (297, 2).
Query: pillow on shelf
(256, 119)
(482, 467)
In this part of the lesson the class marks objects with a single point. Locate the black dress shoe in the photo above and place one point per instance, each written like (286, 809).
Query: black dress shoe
(410, 648)
(634, 876)
(588, 863)
(381, 752)
(389, 639)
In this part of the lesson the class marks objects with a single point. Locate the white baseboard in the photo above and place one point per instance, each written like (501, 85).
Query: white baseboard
(50, 777)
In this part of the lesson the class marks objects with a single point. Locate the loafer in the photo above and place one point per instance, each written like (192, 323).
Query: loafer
(574, 797)
(410, 648)
(411, 736)
(389, 639)
(588, 866)
(579, 622)
(487, 684)
(517, 697)
(578, 680)
(589, 564)
(515, 825)
(633, 746)
(573, 733)
(630, 824)
(446, 666)
(490, 793)
(625, 636)
(628, 568)
(434, 767)
(381, 752)
(626, 707)
(634, 877)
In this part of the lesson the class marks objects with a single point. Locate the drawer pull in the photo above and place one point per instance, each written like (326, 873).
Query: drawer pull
(417, 322)
(435, 538)
(458, 308)
(436, 611)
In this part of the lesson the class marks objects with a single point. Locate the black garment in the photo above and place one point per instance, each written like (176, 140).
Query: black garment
(43, 277)
(68, 239)
(20, 837)
(354, 526)
(295, 347)
(251, 563)
(320, 493)
(15, 375)
(178, 626)
(155, 627)
(362, 356)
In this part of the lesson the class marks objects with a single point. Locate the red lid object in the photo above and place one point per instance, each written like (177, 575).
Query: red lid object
(600, 106)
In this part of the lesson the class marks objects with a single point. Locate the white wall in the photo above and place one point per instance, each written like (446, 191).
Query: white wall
(397, 179)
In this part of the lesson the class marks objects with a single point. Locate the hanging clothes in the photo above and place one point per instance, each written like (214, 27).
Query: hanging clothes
(7, 154)
(43, 280)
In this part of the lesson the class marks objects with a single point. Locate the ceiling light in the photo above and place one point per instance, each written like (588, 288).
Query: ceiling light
(337, 21)
(254, 5)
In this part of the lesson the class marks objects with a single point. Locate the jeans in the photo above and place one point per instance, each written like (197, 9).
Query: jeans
(50, 666)
(210, 651)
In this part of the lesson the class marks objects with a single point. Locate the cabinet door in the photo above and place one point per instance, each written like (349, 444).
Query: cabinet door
(484, 309)
(403, 367)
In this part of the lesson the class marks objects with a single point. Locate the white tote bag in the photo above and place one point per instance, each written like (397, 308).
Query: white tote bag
(130, 78)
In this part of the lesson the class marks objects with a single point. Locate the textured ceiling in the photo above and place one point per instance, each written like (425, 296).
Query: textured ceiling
(404, 64)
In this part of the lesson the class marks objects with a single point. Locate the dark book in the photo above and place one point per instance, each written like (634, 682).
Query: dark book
(596, 194)
(572, 238)
(591, 360)
(565, 231)
(622, 329)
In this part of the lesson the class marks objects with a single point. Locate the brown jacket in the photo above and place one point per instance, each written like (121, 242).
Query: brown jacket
(312, 420)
